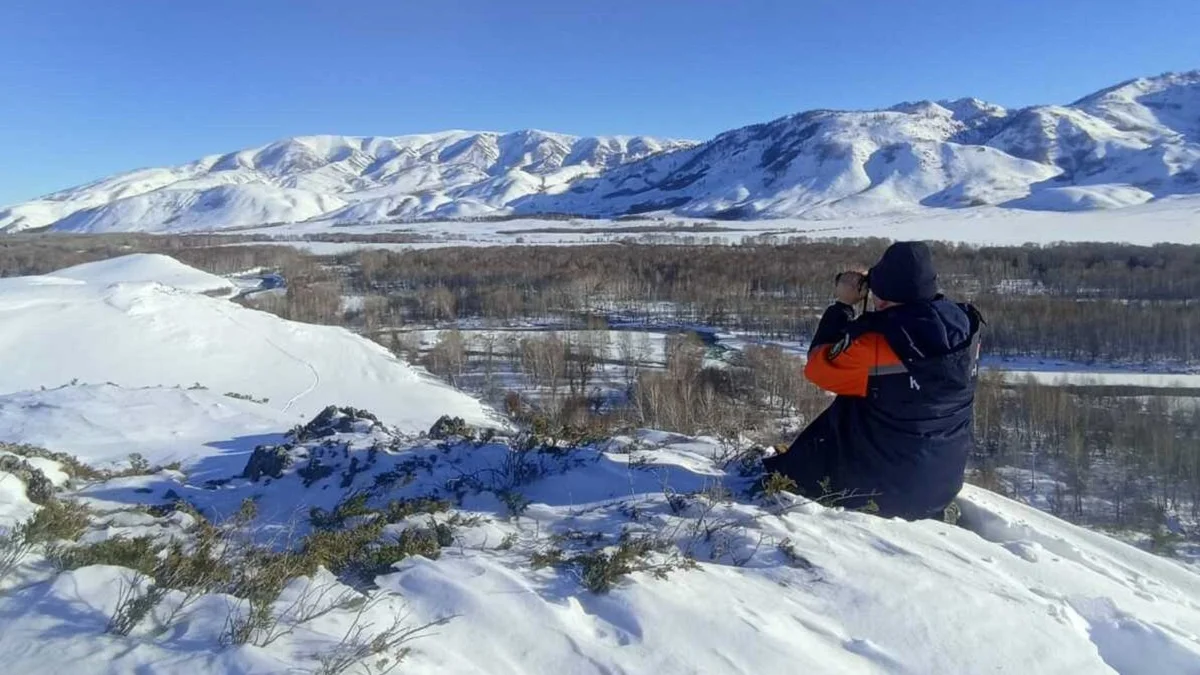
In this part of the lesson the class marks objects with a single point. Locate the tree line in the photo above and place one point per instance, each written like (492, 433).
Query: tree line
(1071, 301)
(1076, 301)
(1137, 451)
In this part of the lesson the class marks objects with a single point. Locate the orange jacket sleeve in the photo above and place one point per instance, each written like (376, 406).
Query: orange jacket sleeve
(844, 368)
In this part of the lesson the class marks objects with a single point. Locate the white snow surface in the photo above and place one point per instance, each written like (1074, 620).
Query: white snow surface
(88, 326)
(1136, 142)
(148, 267)
(1170, 219)
(102, 424)
(1015, 591)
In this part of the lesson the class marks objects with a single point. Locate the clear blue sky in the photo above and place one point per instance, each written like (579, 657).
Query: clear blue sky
(94, 87)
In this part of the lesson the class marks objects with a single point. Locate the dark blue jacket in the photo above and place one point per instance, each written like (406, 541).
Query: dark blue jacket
(900, 430)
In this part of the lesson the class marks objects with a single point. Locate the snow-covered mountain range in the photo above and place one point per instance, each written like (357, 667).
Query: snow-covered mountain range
(452, 174)
(1125, 145)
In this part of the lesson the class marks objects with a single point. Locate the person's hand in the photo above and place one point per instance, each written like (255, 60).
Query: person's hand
(851, 287)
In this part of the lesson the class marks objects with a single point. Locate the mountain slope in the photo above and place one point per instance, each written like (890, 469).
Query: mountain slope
(1126, 145)
(121, 321)
(816, 163)
(345, 178)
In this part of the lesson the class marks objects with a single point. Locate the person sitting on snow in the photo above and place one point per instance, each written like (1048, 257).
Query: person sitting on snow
(899, 432)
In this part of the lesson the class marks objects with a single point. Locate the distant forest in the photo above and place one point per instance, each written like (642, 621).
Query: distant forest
(1071, 301)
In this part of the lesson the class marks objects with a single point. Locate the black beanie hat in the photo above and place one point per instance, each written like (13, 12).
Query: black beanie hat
(904, 274)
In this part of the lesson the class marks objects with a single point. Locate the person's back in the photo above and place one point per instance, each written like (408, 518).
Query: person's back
(899, 432)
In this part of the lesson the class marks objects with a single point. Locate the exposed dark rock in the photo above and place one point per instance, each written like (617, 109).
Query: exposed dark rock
(334, 420)
(267, 460)
(450, 427)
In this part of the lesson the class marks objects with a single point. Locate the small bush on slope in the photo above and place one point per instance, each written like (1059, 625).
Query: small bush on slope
(600, 569)
(353, 506)
(77, 470)
(361, 555)
(57, 520)
(375, 651)
(401, 509)
(247, 397)
(133, 605)
(38, 488)
(136, 553)
(778, 483)
(14, 547)
(70, 464)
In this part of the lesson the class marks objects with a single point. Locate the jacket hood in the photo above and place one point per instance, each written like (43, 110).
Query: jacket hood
(905, 273)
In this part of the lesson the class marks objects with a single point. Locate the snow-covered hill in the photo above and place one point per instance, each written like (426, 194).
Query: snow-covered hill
(449, 174)
(1126, 145)
(150, 321)
(148, 268)
(635, 555)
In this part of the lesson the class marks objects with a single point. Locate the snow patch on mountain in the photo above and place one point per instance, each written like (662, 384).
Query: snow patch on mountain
(215, 208)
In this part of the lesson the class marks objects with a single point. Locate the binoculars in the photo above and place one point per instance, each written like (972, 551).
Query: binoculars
(862, 284)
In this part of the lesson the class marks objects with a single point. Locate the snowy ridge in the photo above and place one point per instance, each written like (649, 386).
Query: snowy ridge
(778, 584)
(148, 268)
(448, 174)
(1126, 145)
(142, 321)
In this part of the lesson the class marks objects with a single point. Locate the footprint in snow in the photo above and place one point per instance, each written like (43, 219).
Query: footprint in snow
(1147, 596)
(873, 652)
(1025, 550)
